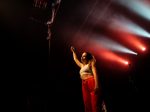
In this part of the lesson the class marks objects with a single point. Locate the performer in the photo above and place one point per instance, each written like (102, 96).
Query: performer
(90, 82)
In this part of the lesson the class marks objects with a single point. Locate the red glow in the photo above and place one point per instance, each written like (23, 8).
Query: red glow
(143, 48)
(130, 40)
(100, 52)
(126, 62)
(110, 56)
(113, 57)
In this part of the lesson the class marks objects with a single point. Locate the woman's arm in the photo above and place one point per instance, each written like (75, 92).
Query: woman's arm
(94, 70)
(75, 57)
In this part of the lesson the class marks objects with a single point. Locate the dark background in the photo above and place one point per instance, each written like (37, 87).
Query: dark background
(33, 81)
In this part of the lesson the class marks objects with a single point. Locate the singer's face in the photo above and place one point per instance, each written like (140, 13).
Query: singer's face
(83, 57)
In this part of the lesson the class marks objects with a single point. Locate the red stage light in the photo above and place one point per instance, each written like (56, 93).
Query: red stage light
(143, 49)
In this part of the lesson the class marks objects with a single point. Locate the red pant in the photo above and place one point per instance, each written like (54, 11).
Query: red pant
(89, 97)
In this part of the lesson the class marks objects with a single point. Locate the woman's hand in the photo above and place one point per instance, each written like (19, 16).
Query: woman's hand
(96, 90)
(72, 49)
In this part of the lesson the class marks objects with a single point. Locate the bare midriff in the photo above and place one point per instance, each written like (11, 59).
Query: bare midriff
(86, 76)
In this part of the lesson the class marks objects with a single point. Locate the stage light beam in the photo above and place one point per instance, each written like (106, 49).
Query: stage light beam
(122, 23)
(143, 48)
(112, 45)
(126, 62)
(138, 6)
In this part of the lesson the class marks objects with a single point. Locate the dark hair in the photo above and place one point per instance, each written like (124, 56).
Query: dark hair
(89, 56)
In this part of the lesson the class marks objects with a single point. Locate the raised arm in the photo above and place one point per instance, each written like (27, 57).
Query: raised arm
(75, 57)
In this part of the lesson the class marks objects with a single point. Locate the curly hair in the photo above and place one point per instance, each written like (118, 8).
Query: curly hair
(89, 56)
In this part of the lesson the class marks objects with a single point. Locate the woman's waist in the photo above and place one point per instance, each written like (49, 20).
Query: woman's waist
(86, 76)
